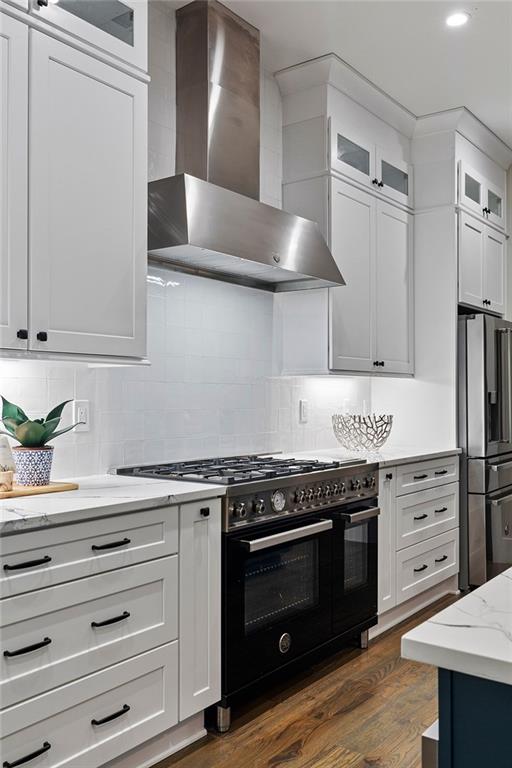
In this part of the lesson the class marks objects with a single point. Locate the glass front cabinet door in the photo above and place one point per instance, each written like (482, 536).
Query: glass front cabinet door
(495, 205)
(118, 27)
(352, 156)
(394, 178)
(481, 196)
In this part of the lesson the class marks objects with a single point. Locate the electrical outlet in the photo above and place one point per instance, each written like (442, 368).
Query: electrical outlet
(81, 412)
(303, 411)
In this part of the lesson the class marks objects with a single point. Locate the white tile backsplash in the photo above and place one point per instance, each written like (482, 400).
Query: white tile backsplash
(210, 389)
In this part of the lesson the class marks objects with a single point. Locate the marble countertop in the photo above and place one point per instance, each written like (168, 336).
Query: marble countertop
(386, 457)
(472, 636)
(97, 496)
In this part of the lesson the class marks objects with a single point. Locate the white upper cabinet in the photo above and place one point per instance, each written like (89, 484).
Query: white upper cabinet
(87, 181)
(352, 306)
(371, 165)
(394, 323)
(479, 195)
(371, 318)
(13, 183)
(117, 27)
(481, 265)
(394, 178)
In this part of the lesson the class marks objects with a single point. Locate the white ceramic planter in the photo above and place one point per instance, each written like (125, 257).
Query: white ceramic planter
(33, 465)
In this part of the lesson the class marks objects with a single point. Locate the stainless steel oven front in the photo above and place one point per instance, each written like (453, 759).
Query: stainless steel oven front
(291, 586)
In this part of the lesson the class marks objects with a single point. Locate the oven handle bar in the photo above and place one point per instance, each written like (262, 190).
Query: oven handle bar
(359, 517)
(498, 467)
(256, 545)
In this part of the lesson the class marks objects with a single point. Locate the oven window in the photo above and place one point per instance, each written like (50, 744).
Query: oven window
(356, 557)
(280, 583)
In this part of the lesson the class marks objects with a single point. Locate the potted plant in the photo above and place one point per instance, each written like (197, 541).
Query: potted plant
(33, 457)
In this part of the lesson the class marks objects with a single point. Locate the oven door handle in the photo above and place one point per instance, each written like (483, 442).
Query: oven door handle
(359, 517)
(256, 545)
(503, 465)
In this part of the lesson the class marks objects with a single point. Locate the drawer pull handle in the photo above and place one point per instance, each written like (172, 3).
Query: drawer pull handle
(441, 559)
(28, 564)
(113, 716)
(28, 648)
(420, 477)
(421, 517)
(204, 511)
(441, 472)
(111, 545)
(46, 746)
(421, 568)
(107, 622)
(443, 509)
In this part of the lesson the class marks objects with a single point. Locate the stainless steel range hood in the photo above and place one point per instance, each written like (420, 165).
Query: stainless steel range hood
(208, 219)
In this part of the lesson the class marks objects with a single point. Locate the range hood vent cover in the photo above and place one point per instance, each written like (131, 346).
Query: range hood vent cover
(208, 219)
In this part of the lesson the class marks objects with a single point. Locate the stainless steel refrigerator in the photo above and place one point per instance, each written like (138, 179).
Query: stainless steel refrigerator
(485, 436)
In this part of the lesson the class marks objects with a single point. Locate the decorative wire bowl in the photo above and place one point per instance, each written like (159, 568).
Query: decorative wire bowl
(358, 433)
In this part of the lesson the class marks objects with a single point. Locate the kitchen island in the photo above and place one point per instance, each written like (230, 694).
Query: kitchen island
(471, 644)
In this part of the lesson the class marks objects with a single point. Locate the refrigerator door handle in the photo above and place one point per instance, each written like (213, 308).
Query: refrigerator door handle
(506, 372)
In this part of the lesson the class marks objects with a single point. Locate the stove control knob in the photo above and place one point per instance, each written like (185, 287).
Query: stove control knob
(327, 491)
(355, 485)
(240, 509)
(318, 493)
(309, 494)
(259, 506)
(300, 496)
(335, 489)
(366, 482)
(372, 482)
(342, 488)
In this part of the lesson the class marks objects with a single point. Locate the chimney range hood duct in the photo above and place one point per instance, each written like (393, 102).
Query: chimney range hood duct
(208, 219)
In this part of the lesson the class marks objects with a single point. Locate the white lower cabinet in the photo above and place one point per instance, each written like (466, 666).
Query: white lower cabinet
(418, 545)
(91, 721)
(121, 646)
(200, 606)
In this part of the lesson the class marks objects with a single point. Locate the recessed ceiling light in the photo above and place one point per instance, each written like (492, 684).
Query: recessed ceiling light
(458, 19)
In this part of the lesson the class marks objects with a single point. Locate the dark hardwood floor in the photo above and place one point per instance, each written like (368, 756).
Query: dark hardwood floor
(359, 709)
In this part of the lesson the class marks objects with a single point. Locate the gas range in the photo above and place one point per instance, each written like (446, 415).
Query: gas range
(261, 488)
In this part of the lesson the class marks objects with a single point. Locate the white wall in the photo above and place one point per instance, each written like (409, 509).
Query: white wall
(210, 388)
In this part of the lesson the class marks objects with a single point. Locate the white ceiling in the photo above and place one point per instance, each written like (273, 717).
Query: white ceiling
(403, 47)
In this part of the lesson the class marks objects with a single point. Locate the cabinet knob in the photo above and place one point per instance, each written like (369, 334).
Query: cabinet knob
(380, 184)
(22, 333)
(389, 475)
(42, 3)
(204, 512)
(42, 336)
(376, 182)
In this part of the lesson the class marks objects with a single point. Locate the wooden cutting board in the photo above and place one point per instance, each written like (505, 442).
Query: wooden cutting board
(33, 490)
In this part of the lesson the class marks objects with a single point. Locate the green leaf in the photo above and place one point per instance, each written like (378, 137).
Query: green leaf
(11, 411)
(56, 412)
(62, 431)
(49, 427)
(10, 425)
(30, 434)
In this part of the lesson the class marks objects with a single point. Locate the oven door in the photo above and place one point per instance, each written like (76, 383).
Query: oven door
(277, 597)
(355, 566)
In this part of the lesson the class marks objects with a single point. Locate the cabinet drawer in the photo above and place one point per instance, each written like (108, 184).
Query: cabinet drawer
(426, 474)
(423, 565)
(136, 700)
(77, 628)
(424, 514)
(49, 556)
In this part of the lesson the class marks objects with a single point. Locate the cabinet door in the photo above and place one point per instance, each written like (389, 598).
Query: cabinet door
(386, 541)
(494, 280)
(200, 605)
(394, 322)
(394, 178)
(13, 181)
(87, 204)
(118, 27)
(471, 261)
(351, 155)
(471, 189)
(351, 307)
(495, 203)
